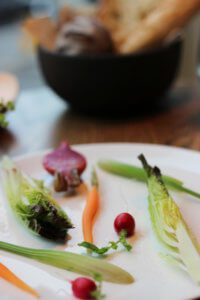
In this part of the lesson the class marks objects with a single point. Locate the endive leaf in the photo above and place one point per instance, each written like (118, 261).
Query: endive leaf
(178, 242)
(33, 204)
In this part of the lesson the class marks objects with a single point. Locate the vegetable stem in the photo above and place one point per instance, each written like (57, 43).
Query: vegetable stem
(72, 262)
(111, 245)
(133, 172)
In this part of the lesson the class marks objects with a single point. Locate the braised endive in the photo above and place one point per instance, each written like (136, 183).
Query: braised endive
(76, 263)
(179, 244)
(134, 172)
(33, 203)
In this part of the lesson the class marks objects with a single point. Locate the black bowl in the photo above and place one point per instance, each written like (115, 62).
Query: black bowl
(111, 83)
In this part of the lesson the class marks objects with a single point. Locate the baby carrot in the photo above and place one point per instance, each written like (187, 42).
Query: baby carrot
(9, 276)
(90, 210)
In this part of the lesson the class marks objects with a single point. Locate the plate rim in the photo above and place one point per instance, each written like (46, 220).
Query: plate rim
(109, 144)
(117, 145)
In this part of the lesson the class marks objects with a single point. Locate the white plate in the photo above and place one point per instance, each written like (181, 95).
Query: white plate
(155, 280)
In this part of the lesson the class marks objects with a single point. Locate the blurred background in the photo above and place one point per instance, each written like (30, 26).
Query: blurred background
(16, 56)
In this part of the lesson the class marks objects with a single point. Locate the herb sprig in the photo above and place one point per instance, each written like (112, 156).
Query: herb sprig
(111, 245)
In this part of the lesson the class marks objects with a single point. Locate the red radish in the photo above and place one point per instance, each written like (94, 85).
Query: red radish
(83, 287)
(125, 222)
(67, 165)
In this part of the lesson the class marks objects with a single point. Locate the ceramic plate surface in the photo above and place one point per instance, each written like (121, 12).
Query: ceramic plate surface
(154, 279)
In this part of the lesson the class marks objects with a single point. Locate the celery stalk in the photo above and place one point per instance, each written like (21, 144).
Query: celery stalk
(133, 172)
(72, 262)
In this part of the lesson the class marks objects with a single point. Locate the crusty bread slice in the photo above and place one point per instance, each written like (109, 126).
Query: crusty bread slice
(67, 13)
(170, 15)
(42, 31)
(118, 15)
(139, 24)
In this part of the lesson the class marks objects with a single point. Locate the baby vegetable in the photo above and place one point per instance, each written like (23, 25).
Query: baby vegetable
(66, 165)
(33, 204)
(9, 276)
(84, 265)
(169, 226)
(85, 288)
(126, 223)
(111, 245)
(133, 172)
(89, 289)
(90, 210)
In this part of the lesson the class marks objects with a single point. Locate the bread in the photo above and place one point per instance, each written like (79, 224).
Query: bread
(68, 13)
(170, 15)
(134, 24)
(119, 16)
(42, 30)
(139, 24)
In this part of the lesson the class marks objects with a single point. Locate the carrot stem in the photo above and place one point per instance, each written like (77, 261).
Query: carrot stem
(9, 276)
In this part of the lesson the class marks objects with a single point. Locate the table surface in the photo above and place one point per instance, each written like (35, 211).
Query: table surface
(42, 120)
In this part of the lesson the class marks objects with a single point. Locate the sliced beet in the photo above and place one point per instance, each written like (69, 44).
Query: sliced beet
(66, 165)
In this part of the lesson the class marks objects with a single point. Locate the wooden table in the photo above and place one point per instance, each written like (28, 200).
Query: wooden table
(42, 120)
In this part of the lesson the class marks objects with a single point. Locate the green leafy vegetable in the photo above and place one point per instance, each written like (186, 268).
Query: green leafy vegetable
(33, 203)
(133, 172)
(180, 246)
(4, 107)
(3, 122)
(111, 245)
(73, 262)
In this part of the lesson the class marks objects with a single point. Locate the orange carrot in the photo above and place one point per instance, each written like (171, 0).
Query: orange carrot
(9, 276)
(90, 210)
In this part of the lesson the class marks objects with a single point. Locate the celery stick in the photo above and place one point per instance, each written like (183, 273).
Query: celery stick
(73, 262)
(133, 172)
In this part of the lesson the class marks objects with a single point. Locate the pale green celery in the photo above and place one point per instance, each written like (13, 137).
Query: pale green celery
(133, 172)
(179, 244)
(72, 262)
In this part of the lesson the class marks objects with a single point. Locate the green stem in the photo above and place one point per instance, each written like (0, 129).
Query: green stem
(72, 262)
(133, 172)
(91, 248)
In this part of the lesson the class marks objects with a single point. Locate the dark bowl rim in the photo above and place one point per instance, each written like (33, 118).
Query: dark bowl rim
(177, 40)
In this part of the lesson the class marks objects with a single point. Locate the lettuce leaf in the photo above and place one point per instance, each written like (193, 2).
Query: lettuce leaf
(33, 204)
(179, 244)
